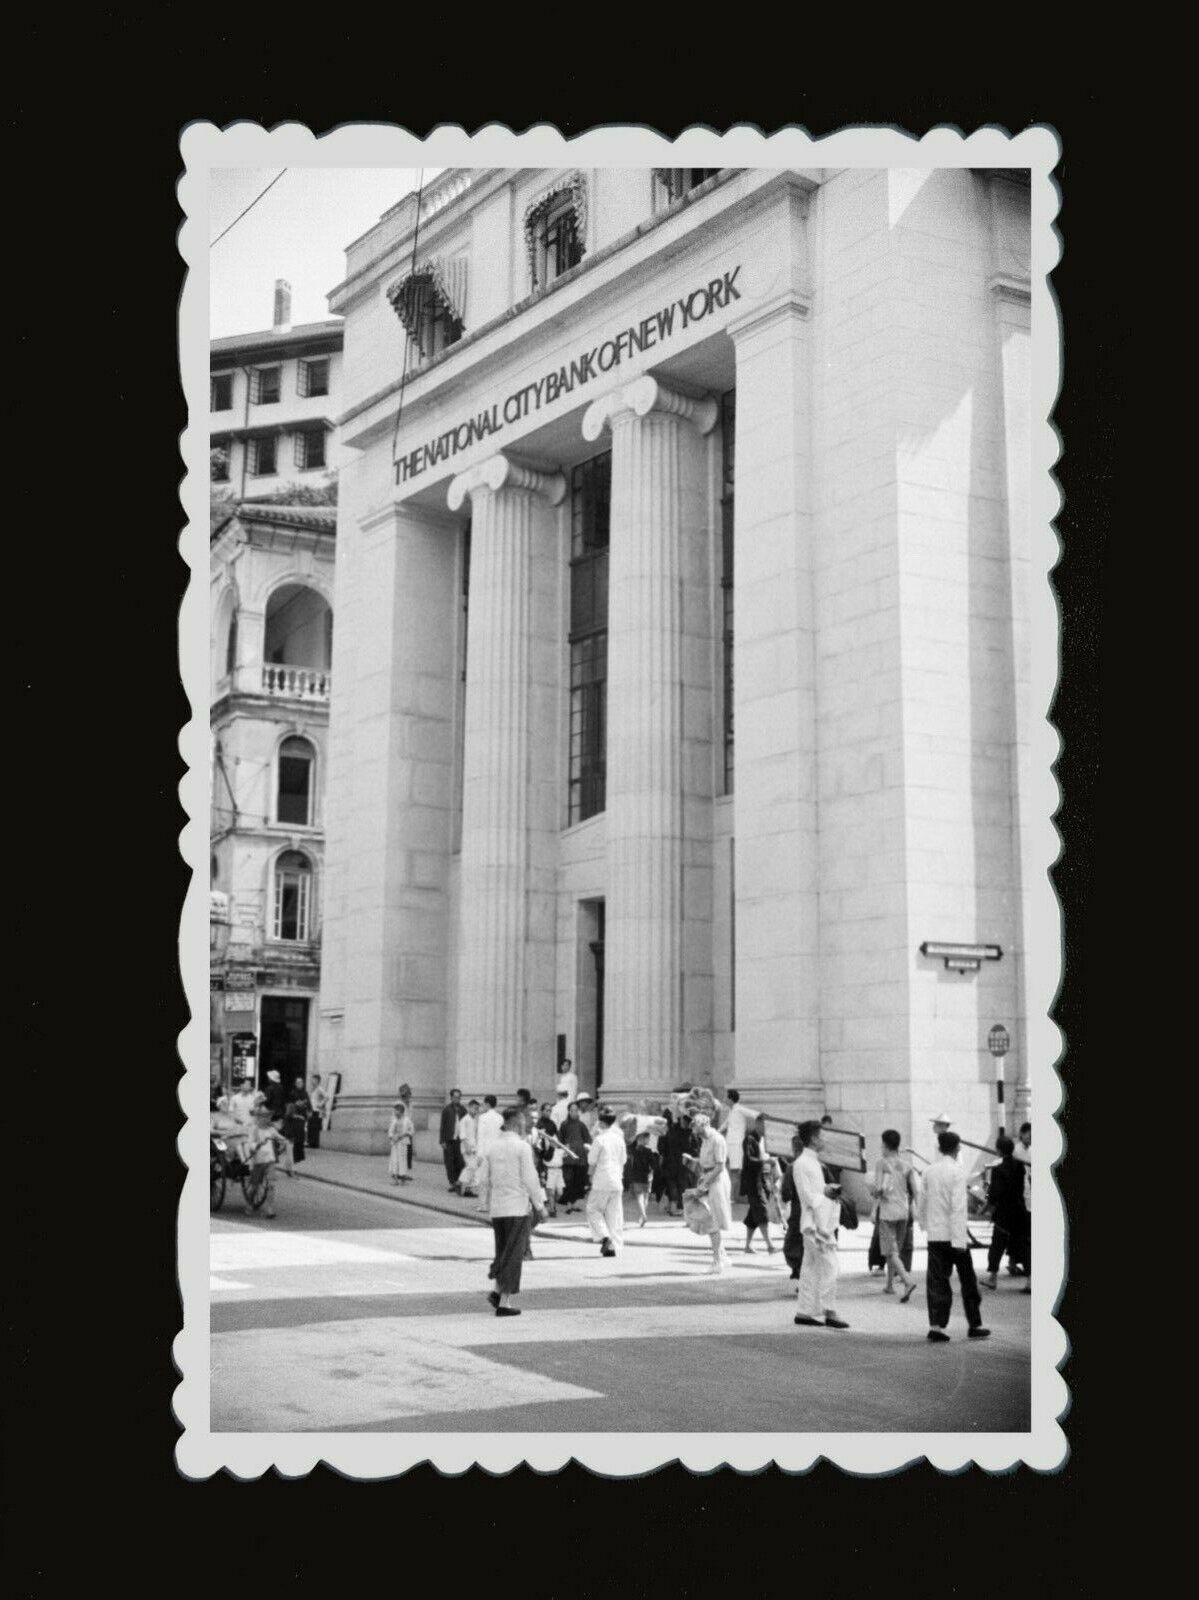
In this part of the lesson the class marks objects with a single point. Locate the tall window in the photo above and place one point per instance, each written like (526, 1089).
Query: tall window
(221, 386)
(231, 646)
(312, 377)
(555, 237)
(310, 449)
(590, 495)
(728, 436)
(264, 456)
(296, 757)
(266, 386)
(293, 897)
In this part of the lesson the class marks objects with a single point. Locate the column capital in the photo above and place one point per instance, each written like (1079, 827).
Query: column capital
(641, 397)
(498, 472)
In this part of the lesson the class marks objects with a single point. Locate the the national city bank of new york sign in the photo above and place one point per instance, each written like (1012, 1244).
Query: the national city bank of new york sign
(650, 331)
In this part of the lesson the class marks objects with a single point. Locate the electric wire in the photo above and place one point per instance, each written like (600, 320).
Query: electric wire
(248, 209)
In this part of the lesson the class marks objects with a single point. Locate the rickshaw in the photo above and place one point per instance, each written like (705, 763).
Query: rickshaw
(225, 1163)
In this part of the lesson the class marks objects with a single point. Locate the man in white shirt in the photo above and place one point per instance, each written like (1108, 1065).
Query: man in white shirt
(568, 1080)
(488, 1131)
(558, 1110)
(942, 1214)
(513, 1198)
(606, 1157)
(820, 1212)
(735, 1127)
(468, 1143)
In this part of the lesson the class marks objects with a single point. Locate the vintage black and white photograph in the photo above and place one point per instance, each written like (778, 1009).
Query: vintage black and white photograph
(620, 660)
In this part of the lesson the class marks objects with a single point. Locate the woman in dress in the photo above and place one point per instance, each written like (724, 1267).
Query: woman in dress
(574, 1135)
(757, 1173)
(399, 1135)
(712, 1182)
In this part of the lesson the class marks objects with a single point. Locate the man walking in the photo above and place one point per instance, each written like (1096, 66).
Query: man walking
(942, 1215)
(820, 1210)
(489, 1128)
(449, 1139)
(1005, 1192)
(894, 1186)
(605, 1203)
(735, 1127)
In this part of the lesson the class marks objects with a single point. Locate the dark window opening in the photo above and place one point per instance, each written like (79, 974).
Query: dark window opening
(295, 782)
(675, 182)
(221, 392)
(267, 386)
(231, 646)
(728, 433)
(590, 505)
(312, 377)
(264, 457)
(293, 897)
(310, 449)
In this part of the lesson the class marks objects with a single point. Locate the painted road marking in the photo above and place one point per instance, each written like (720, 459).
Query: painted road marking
(215, 1283)
(251, 1248)
(338, 1374)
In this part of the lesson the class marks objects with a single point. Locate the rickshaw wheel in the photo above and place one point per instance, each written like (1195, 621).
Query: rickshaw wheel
(253, 1188)
(216, 1191)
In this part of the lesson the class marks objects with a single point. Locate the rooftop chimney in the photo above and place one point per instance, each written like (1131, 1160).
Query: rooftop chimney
(282, 305)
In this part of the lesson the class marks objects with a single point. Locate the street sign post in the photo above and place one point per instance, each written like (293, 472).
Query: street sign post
(999, 1042)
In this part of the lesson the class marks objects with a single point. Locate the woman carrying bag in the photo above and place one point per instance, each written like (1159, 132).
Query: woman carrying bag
(712, 1186)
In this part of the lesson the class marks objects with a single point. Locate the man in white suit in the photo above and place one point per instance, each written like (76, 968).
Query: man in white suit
(820, 1212)
(942, 1214)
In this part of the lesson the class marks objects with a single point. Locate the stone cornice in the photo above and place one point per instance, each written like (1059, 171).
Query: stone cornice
(1011, 287)
(641, 397)
(498, 472)
(790, 303)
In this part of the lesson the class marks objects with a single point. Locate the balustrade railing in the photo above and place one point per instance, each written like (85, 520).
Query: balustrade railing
(296, 683)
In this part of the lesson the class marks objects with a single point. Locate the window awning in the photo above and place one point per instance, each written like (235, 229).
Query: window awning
(440, 283)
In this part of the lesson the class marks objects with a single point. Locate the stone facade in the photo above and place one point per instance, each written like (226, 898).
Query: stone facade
(873, 326)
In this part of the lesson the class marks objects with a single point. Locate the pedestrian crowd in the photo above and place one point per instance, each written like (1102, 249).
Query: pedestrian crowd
(265, 1127)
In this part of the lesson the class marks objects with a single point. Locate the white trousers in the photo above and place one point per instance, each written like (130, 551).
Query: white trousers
(605, 1215)
(817, 1294)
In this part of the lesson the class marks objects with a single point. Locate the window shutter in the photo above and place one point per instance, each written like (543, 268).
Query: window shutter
(302, 379)
(300, 452)
(255, 386)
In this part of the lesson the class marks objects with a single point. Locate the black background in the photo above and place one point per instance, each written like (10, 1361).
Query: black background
(91, 1485)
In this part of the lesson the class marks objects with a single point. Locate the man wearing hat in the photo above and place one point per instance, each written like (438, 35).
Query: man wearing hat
(274, 1095)
(589, 1113)
(605, 1201)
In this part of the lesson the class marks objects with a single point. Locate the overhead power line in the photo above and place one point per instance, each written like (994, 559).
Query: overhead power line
(249, 208)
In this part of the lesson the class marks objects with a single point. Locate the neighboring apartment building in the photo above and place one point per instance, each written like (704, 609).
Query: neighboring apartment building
(271, 647)
(682, 653)
(273, 397)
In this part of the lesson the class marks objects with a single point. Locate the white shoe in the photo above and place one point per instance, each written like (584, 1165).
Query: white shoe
(715, 1267)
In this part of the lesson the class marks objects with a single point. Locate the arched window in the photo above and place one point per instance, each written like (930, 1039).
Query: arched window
(296, 760)
(293, 897)
(214, 871)
(231, 646)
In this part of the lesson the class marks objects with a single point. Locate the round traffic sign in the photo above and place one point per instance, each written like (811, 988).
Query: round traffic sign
(999, 1040)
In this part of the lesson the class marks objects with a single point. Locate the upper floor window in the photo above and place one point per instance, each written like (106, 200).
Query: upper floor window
(310, 449)
(231, 646)
(431, 305)
(555, 228)
(312, 377)
(296, 761)
(672, 183)
(220, 387)
(266, 386)
(292, 917)
(264, 456)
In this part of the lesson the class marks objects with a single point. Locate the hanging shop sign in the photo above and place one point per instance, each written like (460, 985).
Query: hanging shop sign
(653, 330)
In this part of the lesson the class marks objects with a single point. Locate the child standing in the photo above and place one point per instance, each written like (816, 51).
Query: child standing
(399, 1135)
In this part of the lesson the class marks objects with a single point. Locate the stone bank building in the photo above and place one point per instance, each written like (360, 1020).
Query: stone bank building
(681, 663)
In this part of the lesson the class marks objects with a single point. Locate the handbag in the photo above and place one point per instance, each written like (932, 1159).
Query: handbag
(849, 1214)
(697, 1213)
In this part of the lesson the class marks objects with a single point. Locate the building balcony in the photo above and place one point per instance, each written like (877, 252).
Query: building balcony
(312, 684)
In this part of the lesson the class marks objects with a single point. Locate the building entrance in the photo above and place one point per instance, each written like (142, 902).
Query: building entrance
(283, 1044)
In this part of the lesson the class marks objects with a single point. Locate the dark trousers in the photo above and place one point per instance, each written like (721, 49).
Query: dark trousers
(575, 1185)
(452, 1155)
(1012, 1236)
(511, 1242)
(314, 1131)
(942, 1258)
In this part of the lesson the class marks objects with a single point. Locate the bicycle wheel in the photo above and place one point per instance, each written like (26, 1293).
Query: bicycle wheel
(216, 1191)
(253, 1187)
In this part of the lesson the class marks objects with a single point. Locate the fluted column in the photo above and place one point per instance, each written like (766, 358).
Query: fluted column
(505, 950)
(658, 467)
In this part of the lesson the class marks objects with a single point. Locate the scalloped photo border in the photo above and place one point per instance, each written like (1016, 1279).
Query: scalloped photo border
(200, 1452)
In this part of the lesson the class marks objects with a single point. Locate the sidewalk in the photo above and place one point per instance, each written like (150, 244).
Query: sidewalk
(429, 1191)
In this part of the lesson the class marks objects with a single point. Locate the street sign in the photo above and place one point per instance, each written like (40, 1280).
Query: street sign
(239, 999)
(999, 1040)
(245, 1052)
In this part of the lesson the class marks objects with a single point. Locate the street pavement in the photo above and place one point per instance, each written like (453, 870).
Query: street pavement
(362, 1309)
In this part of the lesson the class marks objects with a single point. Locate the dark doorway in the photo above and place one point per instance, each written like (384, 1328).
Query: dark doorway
(283, 1044)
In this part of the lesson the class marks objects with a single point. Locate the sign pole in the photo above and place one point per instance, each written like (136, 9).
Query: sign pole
(998, 1043)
